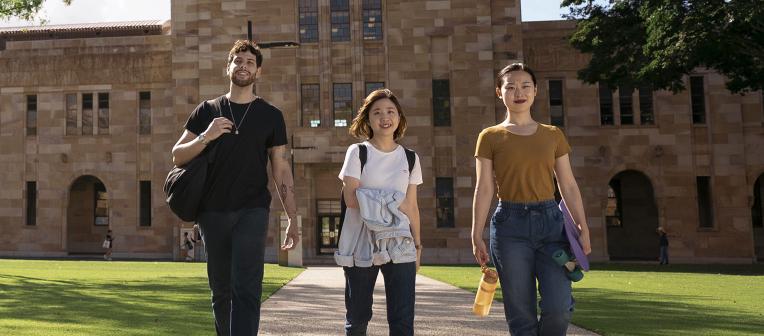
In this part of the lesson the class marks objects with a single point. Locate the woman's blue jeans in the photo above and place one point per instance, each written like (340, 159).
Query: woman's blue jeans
(523, 236)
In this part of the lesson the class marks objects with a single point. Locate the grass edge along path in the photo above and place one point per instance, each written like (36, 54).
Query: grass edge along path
(642, 299)
(64, 298)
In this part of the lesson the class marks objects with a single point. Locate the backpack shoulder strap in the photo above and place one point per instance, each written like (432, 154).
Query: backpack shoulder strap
(411, 158)
(362, 154)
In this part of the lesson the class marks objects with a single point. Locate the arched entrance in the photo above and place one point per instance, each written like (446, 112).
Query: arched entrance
(757, 217)
(631, 217)
(87, 216)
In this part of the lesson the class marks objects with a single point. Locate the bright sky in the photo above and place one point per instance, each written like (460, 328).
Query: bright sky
(91, 11)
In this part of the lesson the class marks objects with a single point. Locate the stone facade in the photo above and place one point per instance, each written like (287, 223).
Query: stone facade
(464, 42)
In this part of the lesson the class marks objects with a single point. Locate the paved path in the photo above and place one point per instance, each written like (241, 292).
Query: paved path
(313, 304)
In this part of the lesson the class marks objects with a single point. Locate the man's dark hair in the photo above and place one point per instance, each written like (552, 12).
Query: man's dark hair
(244, 46)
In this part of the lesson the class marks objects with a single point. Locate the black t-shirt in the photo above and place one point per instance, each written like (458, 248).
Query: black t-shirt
(238, 178)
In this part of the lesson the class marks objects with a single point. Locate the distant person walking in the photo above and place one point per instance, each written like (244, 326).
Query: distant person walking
(108, 244)
(664, 244)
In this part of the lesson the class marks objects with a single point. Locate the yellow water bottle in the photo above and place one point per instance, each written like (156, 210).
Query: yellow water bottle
(485, 292)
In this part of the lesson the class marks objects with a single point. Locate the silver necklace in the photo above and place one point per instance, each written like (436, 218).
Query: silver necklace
(235, 124)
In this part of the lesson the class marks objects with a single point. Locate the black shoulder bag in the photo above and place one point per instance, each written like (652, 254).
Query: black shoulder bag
(184, 185)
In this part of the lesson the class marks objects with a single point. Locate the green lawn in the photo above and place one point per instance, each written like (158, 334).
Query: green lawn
(54, 298)
(627, 299)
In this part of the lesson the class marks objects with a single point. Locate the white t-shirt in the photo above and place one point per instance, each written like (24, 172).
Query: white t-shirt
(384, 171)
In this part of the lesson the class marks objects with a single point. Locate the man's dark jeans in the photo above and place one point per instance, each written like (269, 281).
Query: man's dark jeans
(235, 243)
(399, 295)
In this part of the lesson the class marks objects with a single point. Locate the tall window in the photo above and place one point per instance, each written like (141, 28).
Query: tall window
(32, 115)
(705, 204)
(371, 86)
(87, 114)
(145, 203)
(556, 111)
(71, 114)
(627, 107)
(311, 112)
(698, 100)
(31, 203)
(372, 19)
(340, 20)
(308, 21)
(103, 113)
(444, 191)
(646, 115)
(343, 104)
(606, 105)
(613, 208)
(441, 102)
(144, 112)
(101, 200)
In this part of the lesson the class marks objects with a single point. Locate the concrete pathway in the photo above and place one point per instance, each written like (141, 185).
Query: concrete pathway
(313, 304)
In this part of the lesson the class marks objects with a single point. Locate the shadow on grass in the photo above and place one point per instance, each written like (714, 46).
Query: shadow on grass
(160, 306)
(747, 269)
(627, 313)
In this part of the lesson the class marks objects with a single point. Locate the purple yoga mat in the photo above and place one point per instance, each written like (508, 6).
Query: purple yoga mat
(571, 230)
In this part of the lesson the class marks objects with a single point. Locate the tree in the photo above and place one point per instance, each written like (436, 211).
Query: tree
(22, 9)
(657, 42)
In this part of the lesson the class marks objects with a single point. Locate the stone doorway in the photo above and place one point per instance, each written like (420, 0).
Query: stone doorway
(631, 217)
(87, 216)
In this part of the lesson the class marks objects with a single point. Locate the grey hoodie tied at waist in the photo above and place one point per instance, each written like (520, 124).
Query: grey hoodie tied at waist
(376, 233)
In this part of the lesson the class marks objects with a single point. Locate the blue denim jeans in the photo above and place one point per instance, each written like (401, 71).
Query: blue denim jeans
(522, 237)
(664, 255)
(399, 295)
(235, 243)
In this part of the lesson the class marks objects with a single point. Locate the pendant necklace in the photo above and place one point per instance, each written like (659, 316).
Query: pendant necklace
(237, 125)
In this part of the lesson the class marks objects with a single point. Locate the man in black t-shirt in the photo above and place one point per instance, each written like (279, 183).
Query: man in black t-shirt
(233, 216)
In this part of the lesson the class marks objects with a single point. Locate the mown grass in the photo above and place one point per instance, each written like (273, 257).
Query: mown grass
(628, 299)
(57, 298)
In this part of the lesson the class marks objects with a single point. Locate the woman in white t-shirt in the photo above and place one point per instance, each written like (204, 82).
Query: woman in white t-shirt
(381, 122)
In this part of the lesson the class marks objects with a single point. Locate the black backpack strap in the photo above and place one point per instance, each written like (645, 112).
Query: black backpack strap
(362, 155)
(411, 158)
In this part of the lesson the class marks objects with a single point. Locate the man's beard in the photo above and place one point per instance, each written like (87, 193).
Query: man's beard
(242, 82)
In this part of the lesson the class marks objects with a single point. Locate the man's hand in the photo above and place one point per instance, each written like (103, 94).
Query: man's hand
(217, 127)
(292, 237)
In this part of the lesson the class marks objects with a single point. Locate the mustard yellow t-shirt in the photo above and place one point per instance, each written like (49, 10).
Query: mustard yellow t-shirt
(523, 164)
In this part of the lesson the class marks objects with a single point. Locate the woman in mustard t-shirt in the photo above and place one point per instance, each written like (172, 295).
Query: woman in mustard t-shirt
(525, 156)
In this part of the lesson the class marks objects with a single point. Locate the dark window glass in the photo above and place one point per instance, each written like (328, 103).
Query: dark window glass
(311, 112)
(606, 105)
(103, 113)
(705, 204)
(31, 203)
(556, 110)
(372, 19)
(343, 104)
(698, 100)
(646, 115)
(145, 200)
(32, 115)
(87, 114)
(371, 86)
(626, 104)
(441, 102)
(144, 112)
(444, 191)
(308, 21)
(340, 17)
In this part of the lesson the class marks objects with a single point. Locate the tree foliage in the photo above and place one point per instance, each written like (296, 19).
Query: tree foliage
(22, 9)
(657, 42)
